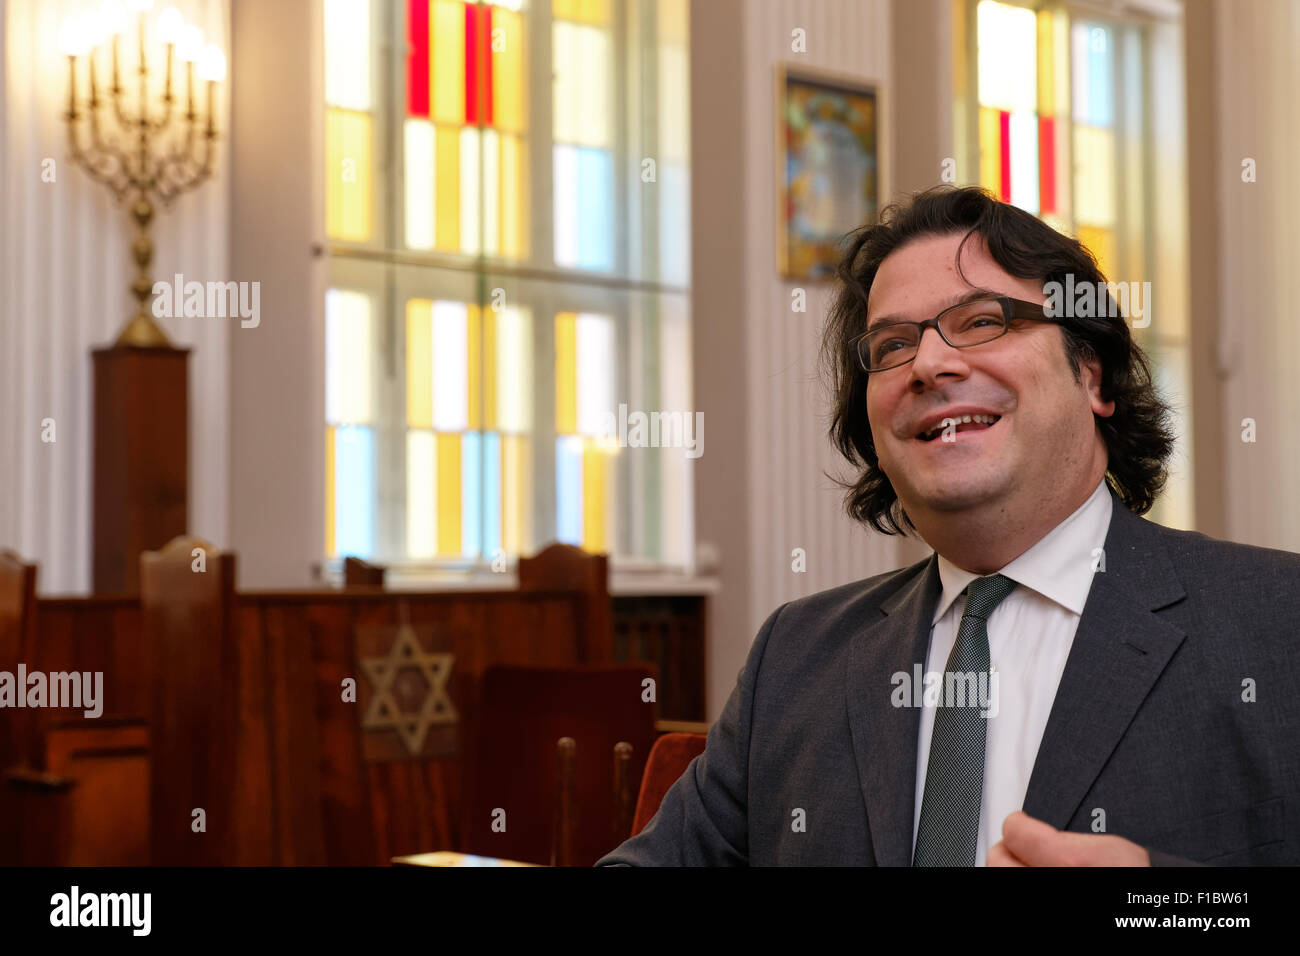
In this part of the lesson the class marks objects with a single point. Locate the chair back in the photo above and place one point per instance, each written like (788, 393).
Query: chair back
(362, 574)
(187, 603)
(518, 805)
(562, 567)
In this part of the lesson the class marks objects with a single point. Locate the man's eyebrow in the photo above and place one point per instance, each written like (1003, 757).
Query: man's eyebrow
(958, 299)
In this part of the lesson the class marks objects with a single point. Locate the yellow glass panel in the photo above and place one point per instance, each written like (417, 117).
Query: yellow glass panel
(1101, 243)
(329, 491)
(447, 63)
(595, 473)
(514, 204)
(447, 188)
(348, 175)
(1046, 64)
(449, 503)
(1094, 176)
(474, 364)
(1061, 62)
(514, 502)
(584, 11)
(674, 21)
(991, 150)
(566, 373)
(507, 71)
(490, 370)
(419, 364)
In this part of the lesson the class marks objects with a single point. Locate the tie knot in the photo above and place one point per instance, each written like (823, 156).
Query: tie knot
(984, 594)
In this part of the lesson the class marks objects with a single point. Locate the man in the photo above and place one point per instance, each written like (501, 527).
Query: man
(1131, 692)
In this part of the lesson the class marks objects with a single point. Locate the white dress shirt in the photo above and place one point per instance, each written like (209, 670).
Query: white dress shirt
(1030, 634)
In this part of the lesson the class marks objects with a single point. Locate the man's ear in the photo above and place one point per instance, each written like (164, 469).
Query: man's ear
(1090, 379)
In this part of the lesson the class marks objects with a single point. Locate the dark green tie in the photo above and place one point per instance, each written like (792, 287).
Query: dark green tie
(948, 832)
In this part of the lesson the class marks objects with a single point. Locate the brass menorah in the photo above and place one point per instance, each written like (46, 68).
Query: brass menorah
(147, 155)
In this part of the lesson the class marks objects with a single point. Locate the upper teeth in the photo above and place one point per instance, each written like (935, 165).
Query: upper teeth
(962, 419)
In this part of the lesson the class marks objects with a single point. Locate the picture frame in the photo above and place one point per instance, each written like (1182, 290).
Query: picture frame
(828, 171)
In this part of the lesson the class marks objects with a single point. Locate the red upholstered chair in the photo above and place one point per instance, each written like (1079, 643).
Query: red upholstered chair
(515, 767)
(669, 758)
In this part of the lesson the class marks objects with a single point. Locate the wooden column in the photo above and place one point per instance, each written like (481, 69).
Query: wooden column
(141, 459)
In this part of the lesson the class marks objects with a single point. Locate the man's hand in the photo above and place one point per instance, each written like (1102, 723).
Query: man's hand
(1029, 842)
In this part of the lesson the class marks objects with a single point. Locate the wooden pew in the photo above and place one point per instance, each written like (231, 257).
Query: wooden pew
(17, 621)
(312, 784)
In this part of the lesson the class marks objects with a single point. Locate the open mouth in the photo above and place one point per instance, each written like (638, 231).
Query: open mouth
(964, 423)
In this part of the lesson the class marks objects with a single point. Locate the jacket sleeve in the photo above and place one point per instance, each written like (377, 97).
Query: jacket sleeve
(1168, 859)
(703, 819)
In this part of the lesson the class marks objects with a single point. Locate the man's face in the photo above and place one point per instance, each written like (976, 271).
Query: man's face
(1045, 441)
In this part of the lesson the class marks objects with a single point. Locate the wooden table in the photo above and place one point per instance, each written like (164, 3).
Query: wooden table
(446, 858)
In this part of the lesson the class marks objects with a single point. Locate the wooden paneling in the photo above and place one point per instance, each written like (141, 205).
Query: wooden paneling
(669, 632)
(189, 623)
(301, 789)
(107, 762)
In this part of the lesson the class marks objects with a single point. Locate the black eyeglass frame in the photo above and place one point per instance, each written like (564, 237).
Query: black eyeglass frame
(1011, 309)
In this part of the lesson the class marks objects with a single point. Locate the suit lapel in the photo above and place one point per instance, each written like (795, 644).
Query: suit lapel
(884, 736)
(1119, 650)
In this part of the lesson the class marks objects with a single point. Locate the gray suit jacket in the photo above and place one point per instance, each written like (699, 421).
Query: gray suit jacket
(1149, 722)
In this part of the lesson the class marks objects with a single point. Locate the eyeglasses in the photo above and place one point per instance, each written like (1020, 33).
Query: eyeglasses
(961, 326)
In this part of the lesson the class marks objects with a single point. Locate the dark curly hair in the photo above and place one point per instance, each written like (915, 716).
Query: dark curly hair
(1139, 436)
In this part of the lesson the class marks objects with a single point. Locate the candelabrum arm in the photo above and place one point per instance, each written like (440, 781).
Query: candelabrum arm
(100, 160)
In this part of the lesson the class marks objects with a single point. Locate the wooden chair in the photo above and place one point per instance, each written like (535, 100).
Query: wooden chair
(362, 574)
(566, 802)
(669, 758)
(562, 567)
(17, 630)
(35, 806)
(187, 600)
(552, 803)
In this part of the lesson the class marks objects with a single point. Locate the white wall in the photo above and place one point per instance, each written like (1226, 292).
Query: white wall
(1258, 341)
(756, 359)
(277, 408)
(64, 278)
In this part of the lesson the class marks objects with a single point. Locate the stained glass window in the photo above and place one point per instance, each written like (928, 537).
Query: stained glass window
(1063, 112)
(486, 177)
(349, 121)
(1047, 103)
(350, 423)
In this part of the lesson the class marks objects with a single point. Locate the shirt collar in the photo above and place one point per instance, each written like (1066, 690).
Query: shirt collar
(1058, 566)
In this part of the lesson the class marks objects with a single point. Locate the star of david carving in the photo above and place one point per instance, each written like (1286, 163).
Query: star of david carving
(384, 711)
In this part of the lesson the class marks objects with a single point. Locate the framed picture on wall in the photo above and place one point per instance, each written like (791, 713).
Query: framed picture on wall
(828, 169)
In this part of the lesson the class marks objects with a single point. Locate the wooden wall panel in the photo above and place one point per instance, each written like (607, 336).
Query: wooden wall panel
(303, 790)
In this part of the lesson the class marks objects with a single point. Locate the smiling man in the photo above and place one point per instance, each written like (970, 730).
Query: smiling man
(1145, 679)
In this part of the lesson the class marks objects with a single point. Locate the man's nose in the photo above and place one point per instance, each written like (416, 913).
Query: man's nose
(935, 357)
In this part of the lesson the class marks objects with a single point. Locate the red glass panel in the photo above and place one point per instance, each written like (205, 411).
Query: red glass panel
(1047, 163)
(478, 63)
(471, 62)
(417, 61)
(1005, 121)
